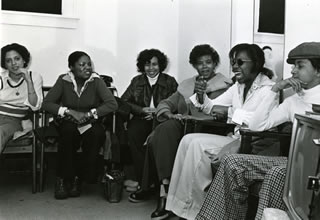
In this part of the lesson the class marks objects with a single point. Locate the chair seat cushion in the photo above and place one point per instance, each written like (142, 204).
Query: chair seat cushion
(19, 142)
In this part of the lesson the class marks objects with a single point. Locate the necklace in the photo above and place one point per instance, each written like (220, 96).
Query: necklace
(15, 86)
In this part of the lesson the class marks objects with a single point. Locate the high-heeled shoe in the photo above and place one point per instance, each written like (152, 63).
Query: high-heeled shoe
(160, 212)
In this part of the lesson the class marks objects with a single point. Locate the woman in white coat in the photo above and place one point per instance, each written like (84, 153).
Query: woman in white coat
(192, 168)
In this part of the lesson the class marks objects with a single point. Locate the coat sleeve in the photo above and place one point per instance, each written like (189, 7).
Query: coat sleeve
(51, 102)
(108, 104)
(168, 105)
(128, 97)
(269, 114)
(225, 99)
(173, 85)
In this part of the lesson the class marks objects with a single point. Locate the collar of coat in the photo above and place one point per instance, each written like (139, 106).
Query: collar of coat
(260, 81)
(69, 77)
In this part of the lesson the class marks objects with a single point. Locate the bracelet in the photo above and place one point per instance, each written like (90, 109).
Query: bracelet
(31, 92)
(94, 113)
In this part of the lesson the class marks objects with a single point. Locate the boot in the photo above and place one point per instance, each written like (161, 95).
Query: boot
(75, 189)
(60, 190)
(160, 212)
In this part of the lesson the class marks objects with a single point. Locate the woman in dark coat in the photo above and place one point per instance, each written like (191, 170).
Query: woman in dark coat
(143, 96)
(80, 98)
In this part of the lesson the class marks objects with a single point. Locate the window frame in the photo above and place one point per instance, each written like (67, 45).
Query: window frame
(263, 36)
(69, 18)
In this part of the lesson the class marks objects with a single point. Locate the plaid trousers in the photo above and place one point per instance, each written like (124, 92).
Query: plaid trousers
(271, 193)
(227, 196)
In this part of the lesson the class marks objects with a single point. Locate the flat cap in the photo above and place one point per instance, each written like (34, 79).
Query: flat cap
(307, 50)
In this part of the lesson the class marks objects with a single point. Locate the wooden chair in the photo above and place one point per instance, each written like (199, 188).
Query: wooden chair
(25, 145)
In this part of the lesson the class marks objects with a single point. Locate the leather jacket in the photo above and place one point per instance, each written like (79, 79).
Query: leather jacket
(139, 92)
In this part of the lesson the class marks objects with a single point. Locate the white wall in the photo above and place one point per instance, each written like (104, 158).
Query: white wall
(242, 21)
(145, 24)
(200, 22)
(302, 25)
(113, 32)
(50, 47)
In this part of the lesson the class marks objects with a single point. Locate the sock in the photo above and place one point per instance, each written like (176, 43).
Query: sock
(163, 191)
(165, 181)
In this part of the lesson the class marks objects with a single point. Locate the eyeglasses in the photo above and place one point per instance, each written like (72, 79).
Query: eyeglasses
(239, 62)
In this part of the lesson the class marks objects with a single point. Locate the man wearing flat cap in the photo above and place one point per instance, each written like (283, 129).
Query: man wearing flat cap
(228, 192)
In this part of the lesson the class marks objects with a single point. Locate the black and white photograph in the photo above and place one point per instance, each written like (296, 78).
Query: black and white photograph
(160, 109)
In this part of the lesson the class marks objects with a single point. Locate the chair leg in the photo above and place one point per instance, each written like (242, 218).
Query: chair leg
(245, 146)
(41, 177)
(34, 166)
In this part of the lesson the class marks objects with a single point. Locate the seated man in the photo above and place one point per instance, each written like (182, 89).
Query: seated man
(227, 195)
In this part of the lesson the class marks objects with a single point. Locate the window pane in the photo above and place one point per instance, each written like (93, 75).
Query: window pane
(38, 6)
(271, 16)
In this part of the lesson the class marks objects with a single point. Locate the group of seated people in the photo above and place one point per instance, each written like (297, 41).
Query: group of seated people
(164, 157)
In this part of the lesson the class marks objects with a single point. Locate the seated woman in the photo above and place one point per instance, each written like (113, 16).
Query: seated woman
(143, 95)
(228, 193)
(192, 172)
(80, 98)
(165, 141)
(20, 90)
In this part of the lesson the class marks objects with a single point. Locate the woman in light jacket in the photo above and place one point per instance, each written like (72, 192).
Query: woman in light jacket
(192, 172)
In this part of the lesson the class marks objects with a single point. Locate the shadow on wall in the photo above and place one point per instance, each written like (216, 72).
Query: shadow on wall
(274, 59)
(52, 62)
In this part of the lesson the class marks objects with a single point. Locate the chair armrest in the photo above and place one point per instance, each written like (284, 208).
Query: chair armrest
(246, 137)
(268, 133)
(197, 125)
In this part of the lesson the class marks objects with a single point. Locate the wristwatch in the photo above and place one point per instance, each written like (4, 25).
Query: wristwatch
(94, 113)
(66, 112)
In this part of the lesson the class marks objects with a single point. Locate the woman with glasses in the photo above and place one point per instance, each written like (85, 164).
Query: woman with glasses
(192, 172)
(79, 98)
